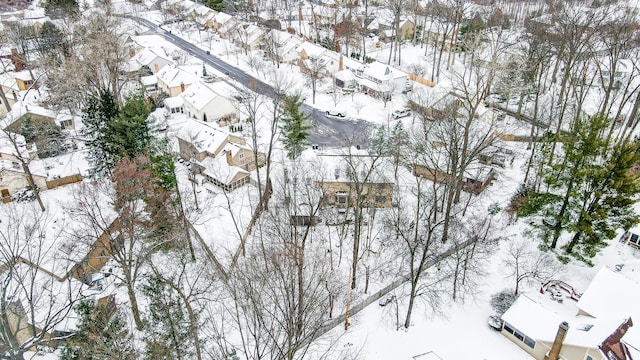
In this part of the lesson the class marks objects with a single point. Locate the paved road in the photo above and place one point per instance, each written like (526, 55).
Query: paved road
(327, 131)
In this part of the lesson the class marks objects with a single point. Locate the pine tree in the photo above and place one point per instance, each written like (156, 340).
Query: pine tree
(61, 8)
(591, 188)
(97, 114)
(217, 5)
(128, 135)
(102, 334)
(294, 127)
(168, 332)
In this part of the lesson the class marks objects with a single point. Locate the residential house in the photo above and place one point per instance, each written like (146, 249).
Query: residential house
(97, 255)
(156, 42)
(36, 114)
(150, 84)
(174, 105)
(15, 62)
(325, 16)
(386, 31)
(343, 193)
(281, 46)
(203, 16)
(148, 61)
(472, 182)
(435, 106)
(345, 79)
(174, 80)
(440, 34)
(249, 37)
(343, 187)
(311, 56)
(225, 25)
(378, 79)
(555, 324)
(219, 157)
(25, 81)
(203, 102)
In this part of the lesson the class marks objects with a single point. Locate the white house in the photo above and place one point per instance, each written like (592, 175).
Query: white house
(281, 45)
(328, 60)
(174, 80)
(148, 60)
(377, 79)
(250, 36)
(551, 324)
(204, 103)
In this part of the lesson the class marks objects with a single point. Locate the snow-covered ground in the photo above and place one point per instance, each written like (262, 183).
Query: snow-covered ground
(458, 330)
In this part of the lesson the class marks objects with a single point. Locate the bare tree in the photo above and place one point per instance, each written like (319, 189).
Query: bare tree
(416, 231)
(125, 235)
(33, 300)
(525, 263)
(313, 70)
(95, 65)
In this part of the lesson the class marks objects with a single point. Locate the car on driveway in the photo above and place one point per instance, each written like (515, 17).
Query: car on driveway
(397, 114)
(338, 113)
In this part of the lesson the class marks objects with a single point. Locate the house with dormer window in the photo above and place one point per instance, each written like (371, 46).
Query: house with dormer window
(557, 323)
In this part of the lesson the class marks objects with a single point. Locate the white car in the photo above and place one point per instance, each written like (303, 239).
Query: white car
(338, 113)
(397, 114)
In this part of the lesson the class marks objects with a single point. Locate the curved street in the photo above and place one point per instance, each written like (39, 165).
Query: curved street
(327, 131)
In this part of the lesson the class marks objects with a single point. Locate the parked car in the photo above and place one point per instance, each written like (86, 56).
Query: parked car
(338, 113)
(397, 114)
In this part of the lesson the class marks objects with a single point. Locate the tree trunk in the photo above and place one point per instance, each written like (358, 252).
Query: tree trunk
(412, 298)
(134, 305)
(558, 225)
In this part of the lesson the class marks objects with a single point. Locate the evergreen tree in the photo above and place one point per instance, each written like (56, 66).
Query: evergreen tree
(102, 334)
(61, 8)
(97, 115)
(52, 43)
(591, 188)
(294, 127)
(163, 165)
(128, 135)
(168, 331)
(217, 5)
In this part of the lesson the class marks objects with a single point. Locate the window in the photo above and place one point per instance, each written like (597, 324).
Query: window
(342, 199)
(241, 155)
(589, 358)
(520, 336)
(381, 199)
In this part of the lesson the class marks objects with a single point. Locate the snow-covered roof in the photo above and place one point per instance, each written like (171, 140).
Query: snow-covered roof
(174, 102)
(218, 168)
(312, 50)
(345, 75)
(610, 298)
(154, 42)
(222, 18)
(23, 75)
(378, 70)
(6, 146)
(199, 95)
(146, 57)
(203, 136)
(174, 76)
(148, 80)
(612, 295)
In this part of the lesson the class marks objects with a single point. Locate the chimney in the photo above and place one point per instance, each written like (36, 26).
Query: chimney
(18, 64)
(554, 353)
(181, 87)
(341, 66)
(613, 344)
(229, 159)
